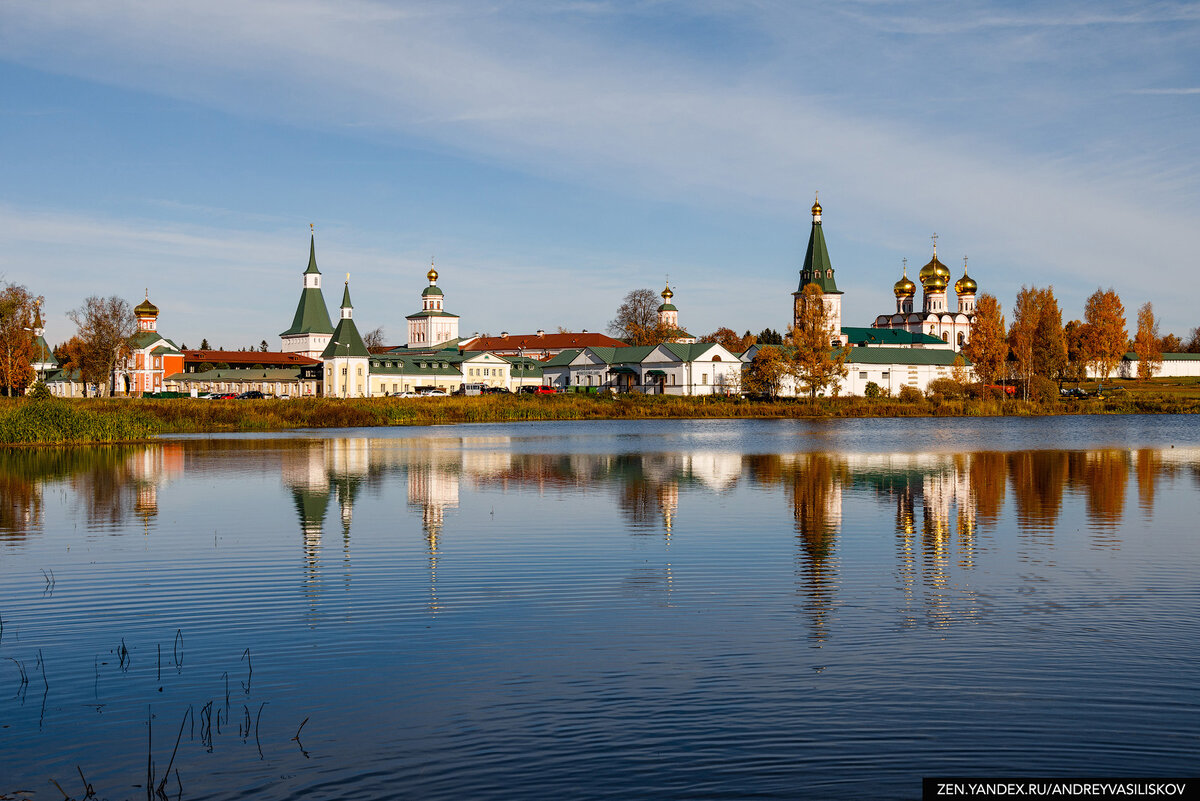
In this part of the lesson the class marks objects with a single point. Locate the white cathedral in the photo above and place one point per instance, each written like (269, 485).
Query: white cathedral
(935, 317)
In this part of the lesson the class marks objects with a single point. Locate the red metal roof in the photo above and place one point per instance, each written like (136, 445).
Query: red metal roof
(232, 357)
(533, 342)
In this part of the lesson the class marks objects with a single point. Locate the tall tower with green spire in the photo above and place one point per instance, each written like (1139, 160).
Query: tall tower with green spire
(818, 270)
(311, 329)
(346, 356)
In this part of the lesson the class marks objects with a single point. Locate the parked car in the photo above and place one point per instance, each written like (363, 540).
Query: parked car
(527, 390)
(470, 389)
(1073, 392)
(252, 394)
(427, 392)
(497, 391)
(544, 390)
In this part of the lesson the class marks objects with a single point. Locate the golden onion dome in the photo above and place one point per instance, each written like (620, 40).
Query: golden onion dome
(905, 288)
(936, 283)
(667, 294)
(431, 275)
(965, 285)
(934, 267)
(816, 207)
(145, 309)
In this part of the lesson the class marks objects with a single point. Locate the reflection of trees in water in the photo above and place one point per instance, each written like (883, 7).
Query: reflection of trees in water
(986, 475)
(1149, 467)
(813, 483)
(111, 480)
(1038, 479)
(1102, 476)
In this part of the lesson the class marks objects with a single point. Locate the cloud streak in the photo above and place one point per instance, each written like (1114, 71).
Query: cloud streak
(548, 95)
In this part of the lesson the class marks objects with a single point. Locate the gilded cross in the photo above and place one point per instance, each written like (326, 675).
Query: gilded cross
(934, 238)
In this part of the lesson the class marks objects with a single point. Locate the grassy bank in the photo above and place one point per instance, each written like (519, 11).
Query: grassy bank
(116, 420)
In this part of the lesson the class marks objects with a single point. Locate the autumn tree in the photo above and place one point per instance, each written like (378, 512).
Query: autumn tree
(1076, 366)
(17, 308)
(106, 326)
(1022, 331)
(987, 347)
(1146, 344)
(1049, 339)
(1170, 344)
(1104, 331)
(637, 319)
(766, 371)
(819, 360)
(729, 339)
(1193, 344)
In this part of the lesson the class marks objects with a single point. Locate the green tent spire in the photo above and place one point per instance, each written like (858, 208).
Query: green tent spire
(346, 304)
(312, 256)
(817, 268)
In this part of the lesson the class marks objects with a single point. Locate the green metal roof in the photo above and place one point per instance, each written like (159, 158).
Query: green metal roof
(43, 353)
(668, 307)
(163, 350)
(918, 356)
(346, 341)
(564, 358)
(1166, 357)
(429, 313)
(817, 268)
(431, 290)
(690, 352)
(311, 315)
(887, 336)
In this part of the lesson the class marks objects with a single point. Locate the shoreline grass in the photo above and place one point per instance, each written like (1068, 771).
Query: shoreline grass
(110, 420)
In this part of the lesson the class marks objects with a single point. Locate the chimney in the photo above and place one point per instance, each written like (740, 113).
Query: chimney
(541, 333)
(584, 331)
(503, 333)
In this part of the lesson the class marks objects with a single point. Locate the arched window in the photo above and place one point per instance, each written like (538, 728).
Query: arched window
(961, 337)
(716, 358)
(945, 337)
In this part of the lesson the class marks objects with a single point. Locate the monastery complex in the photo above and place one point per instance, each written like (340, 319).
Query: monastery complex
(910, 346)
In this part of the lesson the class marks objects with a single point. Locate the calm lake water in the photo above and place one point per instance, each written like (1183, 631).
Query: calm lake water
(659, 609)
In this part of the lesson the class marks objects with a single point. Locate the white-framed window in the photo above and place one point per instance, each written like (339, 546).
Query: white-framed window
(862, 376)
(704, 378)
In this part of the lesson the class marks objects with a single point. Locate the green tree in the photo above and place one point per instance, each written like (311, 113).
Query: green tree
(1146, 344)
(987, 347)
(819, 360)
(769, 336)
(1104, 335)
(204, 344)
(766, 371)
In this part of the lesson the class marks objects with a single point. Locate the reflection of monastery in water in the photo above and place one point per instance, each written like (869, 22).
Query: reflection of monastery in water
(940, 504)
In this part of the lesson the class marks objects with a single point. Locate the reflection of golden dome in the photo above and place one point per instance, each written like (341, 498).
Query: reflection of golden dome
(934, 267)
(667, 294)
(936, 283)
(965, 285)
(905, 288)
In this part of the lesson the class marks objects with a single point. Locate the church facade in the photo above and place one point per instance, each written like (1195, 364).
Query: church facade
(935, 317)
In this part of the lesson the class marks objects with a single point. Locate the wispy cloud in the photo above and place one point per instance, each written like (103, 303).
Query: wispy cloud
(551, 95)
(1187, 90)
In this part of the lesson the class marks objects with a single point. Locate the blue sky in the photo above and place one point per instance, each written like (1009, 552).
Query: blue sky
(553, 155)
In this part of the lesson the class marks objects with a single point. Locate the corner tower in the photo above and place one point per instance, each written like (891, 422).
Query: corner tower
(818, 270)
(346, 356)
(311, 329)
